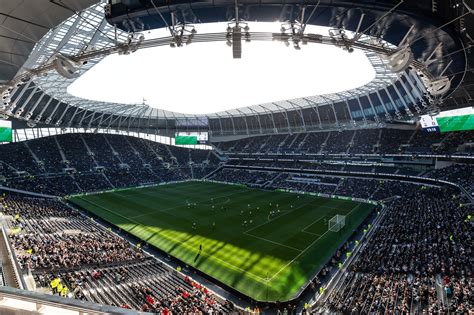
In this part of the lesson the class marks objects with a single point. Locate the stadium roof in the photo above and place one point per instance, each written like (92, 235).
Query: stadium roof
(40, 96)
(23, 23)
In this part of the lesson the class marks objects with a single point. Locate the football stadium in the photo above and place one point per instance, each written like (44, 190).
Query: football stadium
(236, 157)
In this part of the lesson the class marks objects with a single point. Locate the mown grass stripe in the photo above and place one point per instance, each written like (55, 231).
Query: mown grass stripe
(265, 259)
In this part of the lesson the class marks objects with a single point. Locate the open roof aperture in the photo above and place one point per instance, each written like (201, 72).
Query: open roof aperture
(203, 78)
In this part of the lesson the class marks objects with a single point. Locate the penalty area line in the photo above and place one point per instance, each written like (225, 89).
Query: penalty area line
(309, 246)
(273, 242)
(301, 253)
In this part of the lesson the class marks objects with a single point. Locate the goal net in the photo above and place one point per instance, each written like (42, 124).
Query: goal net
(337, 222)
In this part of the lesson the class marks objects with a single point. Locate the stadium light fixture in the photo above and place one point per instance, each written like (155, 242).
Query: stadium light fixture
(234, 37)
(401, 59)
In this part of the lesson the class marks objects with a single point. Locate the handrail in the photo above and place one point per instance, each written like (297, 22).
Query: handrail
(383, 155)
(28, 192)
(406, 178)
(13, 260)
(64, 303)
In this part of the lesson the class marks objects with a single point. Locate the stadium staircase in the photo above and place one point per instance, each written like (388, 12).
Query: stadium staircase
(191, 169)
(9, 166)
(6, 263)
(341, 182)
(77, 185)
(351, 143)
(220, 155)
(301, 143)
(270, 182)
(116, 154)
(467, 193)
(413, 135)
(35, 157)
(61, 152)
(293, 139)
(92, 155)
(218, 169)
(379, 139)
(440, 293)
(323, 145)
(108, 180)
(117, 285)
(217, 150)
(2, 276)
(282, 143)
(137, 153)
(154, 152)
(264, 144)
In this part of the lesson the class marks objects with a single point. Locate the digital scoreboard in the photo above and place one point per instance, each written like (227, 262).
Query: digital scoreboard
(451, 120)
(191, 137)
(5, 131)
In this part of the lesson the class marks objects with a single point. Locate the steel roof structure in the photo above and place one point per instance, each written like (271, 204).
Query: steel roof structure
(38, 95)
(23, 23)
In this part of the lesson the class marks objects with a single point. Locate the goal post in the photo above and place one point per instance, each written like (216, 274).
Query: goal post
(337, 222)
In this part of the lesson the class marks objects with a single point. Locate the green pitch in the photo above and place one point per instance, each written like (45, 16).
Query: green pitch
(456, 123)
(266, 256)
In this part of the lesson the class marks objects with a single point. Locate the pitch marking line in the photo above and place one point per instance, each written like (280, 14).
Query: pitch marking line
(281, 215)
(316, 234)
(301, 253)
(309, 246)
(171, 208)
(246, 232)
(212, 257)
(353, 208)
(304, 229)
(154, 211)
(270, 241)
(232, 266)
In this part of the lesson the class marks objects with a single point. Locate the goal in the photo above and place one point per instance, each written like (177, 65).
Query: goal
(337, 222)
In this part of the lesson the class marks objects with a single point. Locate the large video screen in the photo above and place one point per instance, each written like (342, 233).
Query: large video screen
(5, 131)
(190, 138)
(451, 120)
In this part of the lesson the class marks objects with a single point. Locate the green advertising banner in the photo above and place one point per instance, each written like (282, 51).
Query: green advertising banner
(5, 131)
(186, 140)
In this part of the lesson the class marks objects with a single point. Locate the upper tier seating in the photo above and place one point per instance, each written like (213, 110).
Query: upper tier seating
(76, 163)
(364, 141)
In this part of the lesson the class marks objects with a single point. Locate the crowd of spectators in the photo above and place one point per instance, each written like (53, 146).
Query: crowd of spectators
(49, 235)
(462, 174)
(96, 162)
(73, 256)
(61, 250)
(419, 258)
(364, 141)
(423, 237)
(245, 177)
(146, 286)
(77, 163)
(364, 188)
